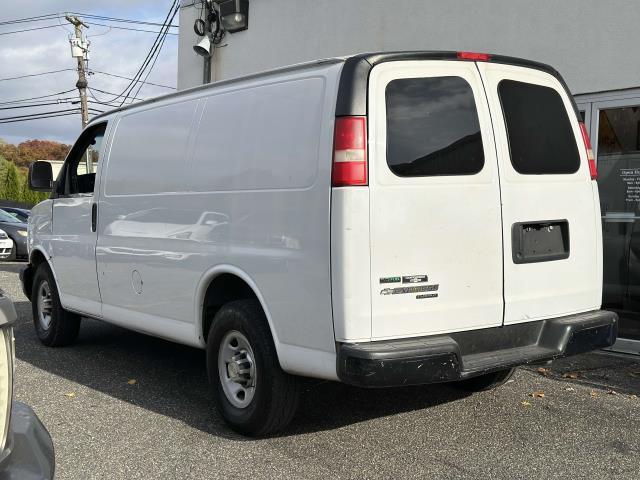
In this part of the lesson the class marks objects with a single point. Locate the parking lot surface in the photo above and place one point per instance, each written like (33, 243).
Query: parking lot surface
(121, 405)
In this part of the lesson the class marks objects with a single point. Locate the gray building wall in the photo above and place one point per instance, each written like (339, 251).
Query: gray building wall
(592, 42)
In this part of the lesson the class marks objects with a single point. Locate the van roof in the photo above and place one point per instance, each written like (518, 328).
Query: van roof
(353, 81)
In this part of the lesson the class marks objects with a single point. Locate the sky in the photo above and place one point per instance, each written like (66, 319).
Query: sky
(114, 51)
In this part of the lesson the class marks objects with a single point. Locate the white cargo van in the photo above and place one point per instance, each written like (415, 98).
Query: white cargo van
(385, 219)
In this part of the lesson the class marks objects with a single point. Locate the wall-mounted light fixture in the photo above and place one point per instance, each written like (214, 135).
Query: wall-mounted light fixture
(228, 16)
(203, 47)
(234, 15)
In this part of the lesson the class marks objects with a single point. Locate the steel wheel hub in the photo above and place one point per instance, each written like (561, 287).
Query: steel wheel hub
(45, 305)
(236, 368)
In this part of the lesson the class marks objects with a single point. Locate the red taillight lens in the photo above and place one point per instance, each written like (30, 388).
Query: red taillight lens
(350, 152)
(593, 170)
(480, 57)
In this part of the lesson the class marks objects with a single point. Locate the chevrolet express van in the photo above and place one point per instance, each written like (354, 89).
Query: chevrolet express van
(382, 220)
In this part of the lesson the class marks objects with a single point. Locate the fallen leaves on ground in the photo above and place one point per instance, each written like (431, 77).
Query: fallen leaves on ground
(70, 394)
(525, 403)
(593, 394)
(633, 397)
(543, 371)
(611, 392)
(537, 394)
(132, 381)
(572, 375)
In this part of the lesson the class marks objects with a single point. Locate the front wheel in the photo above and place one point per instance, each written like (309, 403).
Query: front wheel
(488, 381)
(253, 394)
(55, 326)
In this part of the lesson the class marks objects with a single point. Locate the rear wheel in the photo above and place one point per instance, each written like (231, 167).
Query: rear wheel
(55, 326)
(253, 394)
(488, 381)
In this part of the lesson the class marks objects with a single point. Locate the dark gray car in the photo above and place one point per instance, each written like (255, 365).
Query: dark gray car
(26, 449)
(17, 231)
(19, 213)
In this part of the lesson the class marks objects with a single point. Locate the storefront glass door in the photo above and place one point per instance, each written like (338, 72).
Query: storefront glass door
(615, 129)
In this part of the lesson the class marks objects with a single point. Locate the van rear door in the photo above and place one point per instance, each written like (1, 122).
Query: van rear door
(435, 226)
(551, 230)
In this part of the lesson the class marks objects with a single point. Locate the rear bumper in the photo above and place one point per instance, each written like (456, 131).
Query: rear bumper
(29, 452)
(456, 356)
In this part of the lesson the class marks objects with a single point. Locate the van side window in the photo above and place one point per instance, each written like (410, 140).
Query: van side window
(541, 140)
(432, 127)
(79, 173)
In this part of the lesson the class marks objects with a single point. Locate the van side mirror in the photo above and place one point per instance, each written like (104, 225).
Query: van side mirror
(40, 176)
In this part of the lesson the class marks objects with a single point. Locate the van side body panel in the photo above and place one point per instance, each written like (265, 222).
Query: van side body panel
(351, 264)
(260, 206)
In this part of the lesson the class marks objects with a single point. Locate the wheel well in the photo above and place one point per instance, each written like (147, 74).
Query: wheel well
(37, 258)
(223, 289)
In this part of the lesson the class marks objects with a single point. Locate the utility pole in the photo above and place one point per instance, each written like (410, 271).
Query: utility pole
(79, 49)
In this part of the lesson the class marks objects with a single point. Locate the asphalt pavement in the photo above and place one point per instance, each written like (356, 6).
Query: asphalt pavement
(121, 405)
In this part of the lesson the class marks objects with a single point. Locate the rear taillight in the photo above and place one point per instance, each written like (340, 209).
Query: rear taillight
(593, 170)
(350, 152)
(480, 57)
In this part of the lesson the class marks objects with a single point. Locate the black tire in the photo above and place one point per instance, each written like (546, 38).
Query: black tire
(64, 326)
(488, 381)
(276, 393)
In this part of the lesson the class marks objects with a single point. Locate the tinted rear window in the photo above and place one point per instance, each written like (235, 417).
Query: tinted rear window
(541, 139)
(432, 127)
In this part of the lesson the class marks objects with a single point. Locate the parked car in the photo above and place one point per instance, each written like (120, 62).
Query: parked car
(26, 449)
(6, 245)
(383, 220)
(21, 214)
(17, 231)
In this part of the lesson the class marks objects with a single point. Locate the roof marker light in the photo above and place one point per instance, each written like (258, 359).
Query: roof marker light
(480, 57)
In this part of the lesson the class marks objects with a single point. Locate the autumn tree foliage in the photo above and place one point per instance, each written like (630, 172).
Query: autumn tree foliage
(27, 152)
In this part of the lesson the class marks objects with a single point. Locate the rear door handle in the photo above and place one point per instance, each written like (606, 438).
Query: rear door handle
(94, 216)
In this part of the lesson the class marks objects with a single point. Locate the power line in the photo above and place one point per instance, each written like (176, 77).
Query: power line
(50, 16)
(175, 6)
(127, 78)
(44, 104)
(39, 118)
(49, 114)
(30, 19)
(37, 74)
(41, 113)
(110, 93)
(31, 29)
(153, 64)
(36, 98)
(124, 28)
(124, 20)
(109, 103)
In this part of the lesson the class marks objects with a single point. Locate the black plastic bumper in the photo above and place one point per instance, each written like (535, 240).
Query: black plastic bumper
(29, 452)
(456, 356)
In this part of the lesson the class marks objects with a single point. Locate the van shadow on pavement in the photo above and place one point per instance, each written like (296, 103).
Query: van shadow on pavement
(171, 380)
